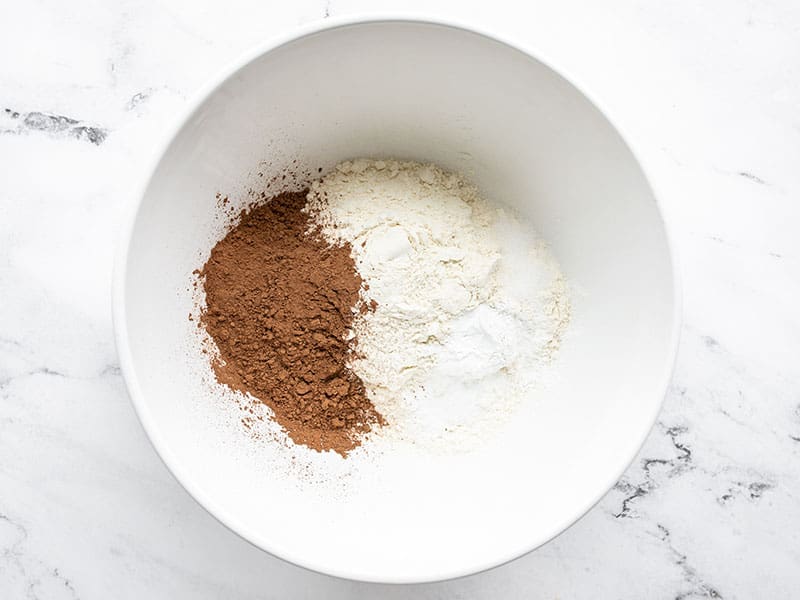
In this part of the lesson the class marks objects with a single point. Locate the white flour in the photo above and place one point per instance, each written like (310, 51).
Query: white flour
(470, 303)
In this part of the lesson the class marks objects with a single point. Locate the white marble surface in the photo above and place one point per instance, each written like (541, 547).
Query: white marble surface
(711, 94)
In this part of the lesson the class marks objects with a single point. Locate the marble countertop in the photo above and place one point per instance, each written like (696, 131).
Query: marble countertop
(710, 508)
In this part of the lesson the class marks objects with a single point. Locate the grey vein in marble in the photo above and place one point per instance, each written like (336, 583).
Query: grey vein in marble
(653, 470)
(698, 587)
(139, 98)
(753, 490)
(753, 178)
(12, 121)
(25, 574)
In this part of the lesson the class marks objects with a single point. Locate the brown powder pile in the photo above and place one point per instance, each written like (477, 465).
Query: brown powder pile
(279, 304)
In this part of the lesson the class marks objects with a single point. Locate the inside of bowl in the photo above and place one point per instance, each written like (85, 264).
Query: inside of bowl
(528, 139)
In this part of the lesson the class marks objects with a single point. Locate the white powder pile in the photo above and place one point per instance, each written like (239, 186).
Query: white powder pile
(471, 305)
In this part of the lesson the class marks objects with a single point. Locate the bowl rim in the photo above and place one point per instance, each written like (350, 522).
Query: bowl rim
(121, 336)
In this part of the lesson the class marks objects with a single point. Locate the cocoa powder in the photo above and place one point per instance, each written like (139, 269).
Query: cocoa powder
(279, 305)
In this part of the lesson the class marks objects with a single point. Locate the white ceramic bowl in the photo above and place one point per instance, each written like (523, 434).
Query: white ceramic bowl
(527, 137)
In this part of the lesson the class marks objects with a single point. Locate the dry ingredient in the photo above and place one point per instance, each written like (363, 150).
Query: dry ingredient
(279, 305)
(390, 293)
(471, 306)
